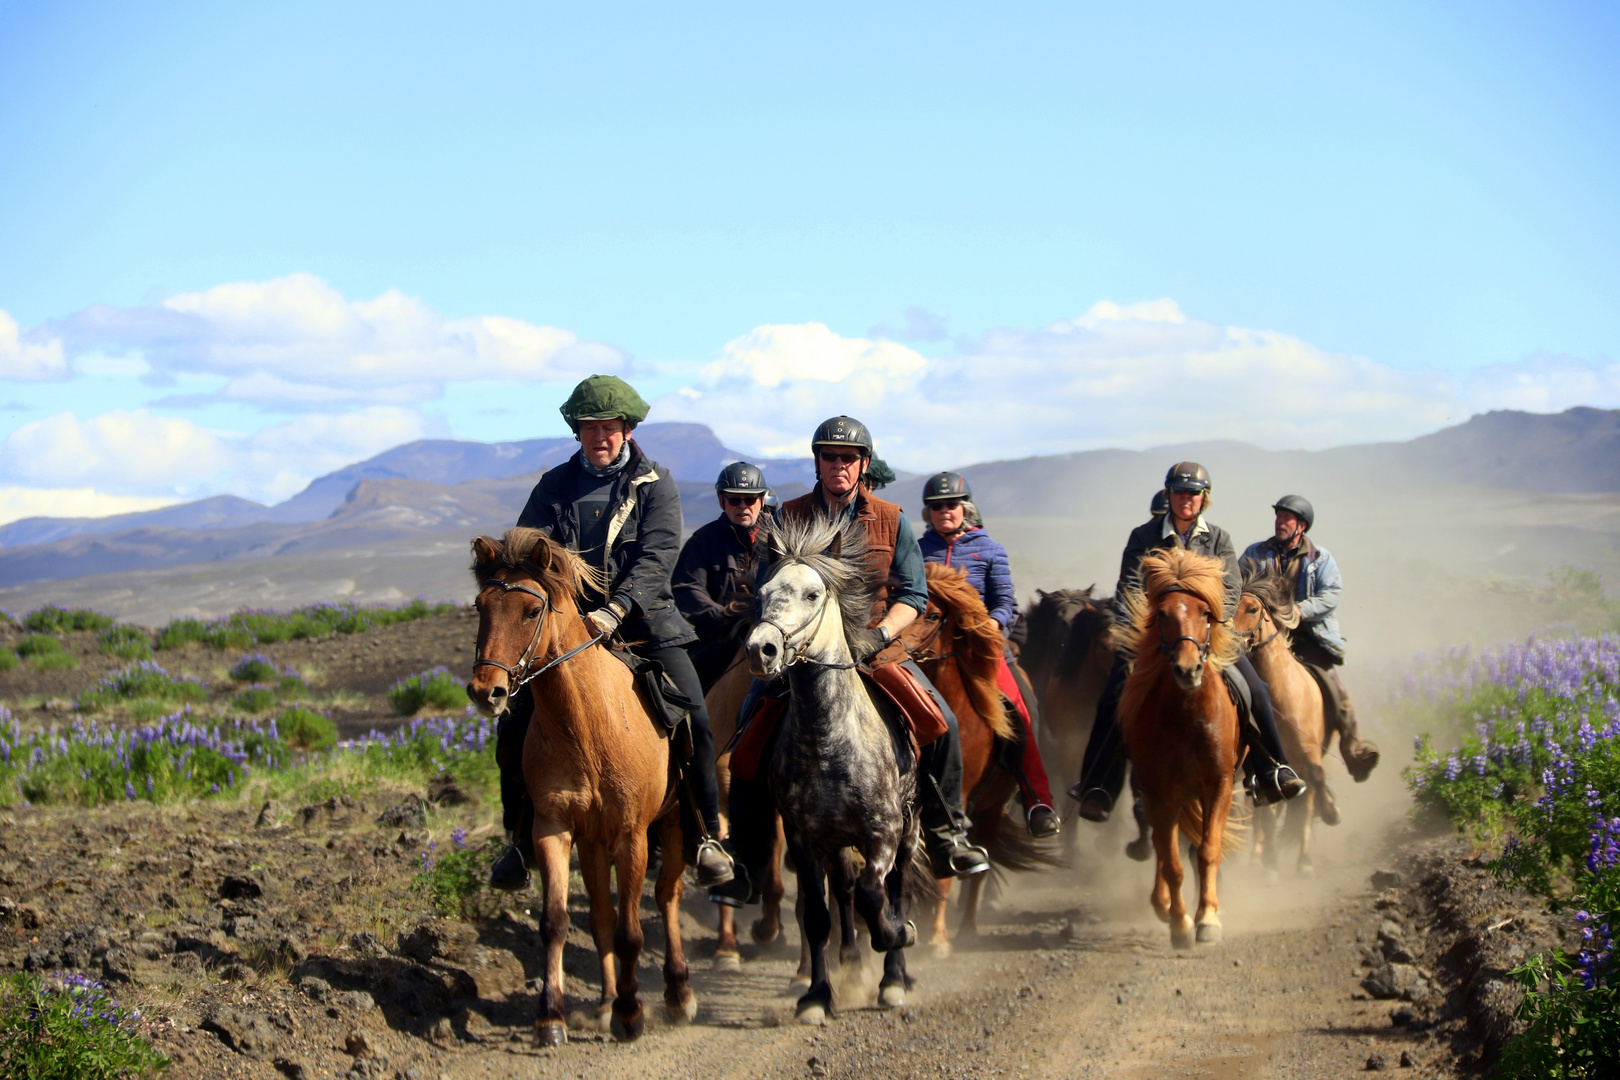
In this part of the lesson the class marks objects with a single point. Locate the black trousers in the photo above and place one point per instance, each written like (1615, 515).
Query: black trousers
(752, 806)
(712, 659)
(1104, 764)
(517, 814)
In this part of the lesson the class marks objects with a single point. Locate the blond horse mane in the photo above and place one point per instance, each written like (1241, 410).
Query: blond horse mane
(563, 574)
(1176, 570)
(978, 644)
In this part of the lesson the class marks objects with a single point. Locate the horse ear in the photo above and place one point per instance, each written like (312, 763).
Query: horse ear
(485, 550)
(544, 554)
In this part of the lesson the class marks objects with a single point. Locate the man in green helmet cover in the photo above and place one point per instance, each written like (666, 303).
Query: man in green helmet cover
(614, 507)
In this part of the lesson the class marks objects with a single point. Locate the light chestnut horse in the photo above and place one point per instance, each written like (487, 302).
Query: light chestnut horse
(959, 647)
(598, 771)
(724, 701)
(1265, 615)
(1181, 727)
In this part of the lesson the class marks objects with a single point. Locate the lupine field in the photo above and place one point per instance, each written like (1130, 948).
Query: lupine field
(1524, 757)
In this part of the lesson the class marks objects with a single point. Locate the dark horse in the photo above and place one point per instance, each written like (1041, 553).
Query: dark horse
(841, 767)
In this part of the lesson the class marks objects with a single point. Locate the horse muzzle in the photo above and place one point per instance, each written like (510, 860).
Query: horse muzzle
(767, 651)
(1188, 678)
(488, 691)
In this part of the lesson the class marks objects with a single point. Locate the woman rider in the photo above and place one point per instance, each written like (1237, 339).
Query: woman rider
(1102, 773)
(955, 536)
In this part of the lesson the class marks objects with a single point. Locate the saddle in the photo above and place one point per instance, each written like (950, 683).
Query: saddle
(918, 705)
(670, 708)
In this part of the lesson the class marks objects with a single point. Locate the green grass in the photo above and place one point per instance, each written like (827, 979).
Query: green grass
(245, 629)
(436, 688)
(32, 645)
(256, 698)
(126, 642)
(8, 660)
(67, 1027)
(51, 619)
(58, 661)
(255, 668)
(143, 681)
(305, 729)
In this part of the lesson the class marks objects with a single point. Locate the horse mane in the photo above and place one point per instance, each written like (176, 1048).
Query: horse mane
(1275, 592)
(562, 573)
(1090, 622)
(1168, 570)
(811, 540)
(1041, 619)
(978, 645)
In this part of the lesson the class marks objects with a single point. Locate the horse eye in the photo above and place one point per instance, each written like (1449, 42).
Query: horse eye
(532, 613)
(933, 616)
(812, 595)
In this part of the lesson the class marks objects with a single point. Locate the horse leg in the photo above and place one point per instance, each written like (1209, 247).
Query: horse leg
(801, 977)
(680, 1004)
(892, 989)
(816, 1003)
(551, 845)
(940, 938)
(842, 894)
(1167, 901)
(727, 956)
(1216, 807)
(595, 869)
(628, 939)
(768, 927)
(1265, 839)
(1140, 849)
(1304, 808)
(872, 900)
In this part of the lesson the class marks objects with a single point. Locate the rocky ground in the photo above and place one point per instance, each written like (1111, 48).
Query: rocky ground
(285, 940)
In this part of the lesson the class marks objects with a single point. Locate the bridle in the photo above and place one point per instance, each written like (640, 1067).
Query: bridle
(1168, 645)
(920, 653)
(518, 674)
(1252, 645)
(795, 653)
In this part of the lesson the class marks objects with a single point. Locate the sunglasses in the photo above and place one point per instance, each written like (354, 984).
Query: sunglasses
(742, 500)
(839, 459)
(944, 504)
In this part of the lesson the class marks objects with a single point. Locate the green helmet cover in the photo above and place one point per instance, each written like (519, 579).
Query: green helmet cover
(604, 397)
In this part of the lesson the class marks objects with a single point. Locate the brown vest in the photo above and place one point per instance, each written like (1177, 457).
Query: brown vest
(882, 521)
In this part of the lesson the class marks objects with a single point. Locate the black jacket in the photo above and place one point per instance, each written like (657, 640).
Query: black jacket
(1212, 541)
(716, 567)
(644, 537)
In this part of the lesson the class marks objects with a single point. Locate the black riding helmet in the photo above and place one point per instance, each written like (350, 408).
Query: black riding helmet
(944, 486)
(740, 478)
(1186, 476)
(1299, 506)
(843, 431)
(1160, 505)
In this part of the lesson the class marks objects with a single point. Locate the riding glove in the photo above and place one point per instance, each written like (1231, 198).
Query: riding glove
(865, 644)
(606, 620)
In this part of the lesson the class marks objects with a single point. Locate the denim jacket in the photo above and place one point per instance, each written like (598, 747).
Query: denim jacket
(1318, 592)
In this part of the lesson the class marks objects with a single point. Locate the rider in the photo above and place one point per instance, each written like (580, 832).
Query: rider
(613, 506)
(956, 537)
(1160, 505)
(714, 577)
(1317, 643)
(844, 466)
(1103, 772)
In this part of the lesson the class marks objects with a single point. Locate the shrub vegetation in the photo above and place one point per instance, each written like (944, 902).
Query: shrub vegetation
(435, 687)
(66, 1027)
(245, 629)
(51, 619)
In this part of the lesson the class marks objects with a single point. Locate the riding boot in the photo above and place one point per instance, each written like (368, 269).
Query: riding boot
(1360, 756)
(1268, 775)
(1102, 770)
(713, 865)
(751, 843)
(510, 871)
(1021, 756)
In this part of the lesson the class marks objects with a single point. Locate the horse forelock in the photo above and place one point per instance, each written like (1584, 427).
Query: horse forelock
(809, 542)
(1177, 570)
(978, 648)
(563, 574)
(1274, 591)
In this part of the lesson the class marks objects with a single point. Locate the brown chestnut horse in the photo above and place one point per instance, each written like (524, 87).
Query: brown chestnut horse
(1265, 614)
(1181, 727)
(597, 768)
(724, 701)
(959, 647)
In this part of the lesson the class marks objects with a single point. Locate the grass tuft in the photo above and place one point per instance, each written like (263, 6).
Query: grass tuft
(435, 687)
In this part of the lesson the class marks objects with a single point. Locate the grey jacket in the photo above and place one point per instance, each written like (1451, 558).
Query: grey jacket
(643, 541)
(1207, 539)
(1317, 594)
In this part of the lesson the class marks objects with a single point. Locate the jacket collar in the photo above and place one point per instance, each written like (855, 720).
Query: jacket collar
(1169, 529)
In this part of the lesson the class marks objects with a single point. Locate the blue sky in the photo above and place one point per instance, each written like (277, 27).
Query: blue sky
(1417, 203)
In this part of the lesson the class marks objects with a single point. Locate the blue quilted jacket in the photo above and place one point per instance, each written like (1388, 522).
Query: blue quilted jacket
(986, 564)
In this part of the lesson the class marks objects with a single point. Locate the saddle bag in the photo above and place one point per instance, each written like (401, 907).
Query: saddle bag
(920, 708)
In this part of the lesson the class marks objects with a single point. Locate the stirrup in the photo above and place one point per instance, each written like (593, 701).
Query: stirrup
(967, 860)
(736, 892)
(1095, 803)
(713, 878)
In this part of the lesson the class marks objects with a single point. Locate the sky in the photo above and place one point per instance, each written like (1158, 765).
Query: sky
(242, 245)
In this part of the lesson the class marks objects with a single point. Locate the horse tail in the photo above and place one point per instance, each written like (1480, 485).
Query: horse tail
(917, 885)
(1233, 840)
(1010, 846)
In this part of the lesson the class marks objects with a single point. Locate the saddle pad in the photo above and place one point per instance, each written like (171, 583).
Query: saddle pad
(755, 736)
(1238, 687)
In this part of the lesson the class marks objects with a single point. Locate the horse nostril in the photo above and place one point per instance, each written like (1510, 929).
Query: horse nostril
(767, 650)
(497, 692)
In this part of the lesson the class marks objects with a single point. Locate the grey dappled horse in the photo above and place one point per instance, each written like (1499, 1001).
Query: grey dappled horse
(843, 776)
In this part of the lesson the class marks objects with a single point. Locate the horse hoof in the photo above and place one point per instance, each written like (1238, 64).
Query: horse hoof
(1181, 937)
(678, 1013)
(942, 950)
(728, 961)
(550, 1033)
(764, 932)
(798, 985)
(892, 996)
(813, 1013)
(1209, 934)
(1140, 850)
(628, 1028)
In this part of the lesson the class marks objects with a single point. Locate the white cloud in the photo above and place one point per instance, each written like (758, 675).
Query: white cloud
(1131, 375)
(295, 342)
(19, 502)
(29, 359)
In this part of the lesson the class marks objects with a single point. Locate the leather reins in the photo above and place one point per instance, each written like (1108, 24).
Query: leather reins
(519, 674)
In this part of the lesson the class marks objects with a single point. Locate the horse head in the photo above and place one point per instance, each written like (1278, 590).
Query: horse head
(1266, 609)
(1177, 616)
(814, 593)
(1186, 624)
(956, 627)
(527, 586)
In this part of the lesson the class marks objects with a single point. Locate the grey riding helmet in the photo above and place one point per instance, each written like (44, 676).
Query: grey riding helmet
(1186, 476)
(945, 486)
(1299, 506)
(740, 478)
(1160, 505)
(843, 431)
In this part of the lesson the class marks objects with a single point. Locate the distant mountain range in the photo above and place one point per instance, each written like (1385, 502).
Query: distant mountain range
(377, 526)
